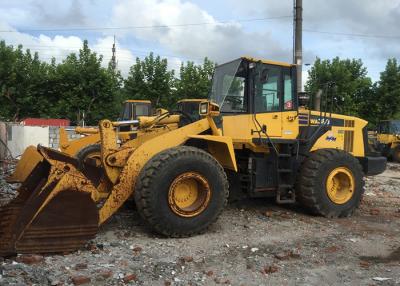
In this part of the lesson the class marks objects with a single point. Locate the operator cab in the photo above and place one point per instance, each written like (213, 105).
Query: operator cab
(249, 85)
(257, 92)
(190, 109)
(132, 109)
(389, 127)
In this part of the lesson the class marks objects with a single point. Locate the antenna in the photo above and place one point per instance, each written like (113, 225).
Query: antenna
(113, 59)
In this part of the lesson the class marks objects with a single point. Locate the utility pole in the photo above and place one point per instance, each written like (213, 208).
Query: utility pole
(298, 38)
(113, 60)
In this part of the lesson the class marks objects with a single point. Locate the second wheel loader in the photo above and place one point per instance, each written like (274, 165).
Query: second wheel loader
(251, 139)
(88, 146)
(387, 139)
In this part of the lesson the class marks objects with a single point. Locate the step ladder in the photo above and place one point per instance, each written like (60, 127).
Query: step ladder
(285, 178)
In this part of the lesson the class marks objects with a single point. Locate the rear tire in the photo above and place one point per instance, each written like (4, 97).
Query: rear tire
(158, 180)
(330, 183)
(396, 154)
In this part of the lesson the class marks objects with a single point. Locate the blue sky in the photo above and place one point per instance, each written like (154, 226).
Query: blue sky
(371, 29)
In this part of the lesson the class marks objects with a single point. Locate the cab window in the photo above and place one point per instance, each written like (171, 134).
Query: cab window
(142, 110)
(384, 127)
(287, 91)
(235, 100)
(267, 95)
(127, 112)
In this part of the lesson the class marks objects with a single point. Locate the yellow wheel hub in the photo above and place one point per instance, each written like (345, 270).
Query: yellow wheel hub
(189, 194)
(340, 185)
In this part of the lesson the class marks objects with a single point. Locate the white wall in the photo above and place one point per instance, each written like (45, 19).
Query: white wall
(23, 136)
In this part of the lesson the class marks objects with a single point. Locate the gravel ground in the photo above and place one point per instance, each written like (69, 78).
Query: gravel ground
(255, 242)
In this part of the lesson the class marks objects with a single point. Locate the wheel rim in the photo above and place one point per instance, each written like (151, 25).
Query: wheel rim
(340, 185)
(189, 194)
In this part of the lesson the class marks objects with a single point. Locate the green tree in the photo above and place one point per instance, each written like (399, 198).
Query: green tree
(150, 79)
(31, 88)
(388, 92)
(21, 76)
(85, 87)
(194, 80)
(352, 86)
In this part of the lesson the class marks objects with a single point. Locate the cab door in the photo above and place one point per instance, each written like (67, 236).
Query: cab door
(275, 105)
(267, 99)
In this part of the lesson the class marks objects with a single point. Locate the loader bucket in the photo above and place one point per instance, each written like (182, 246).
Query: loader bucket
(28, 161)
(54, 210)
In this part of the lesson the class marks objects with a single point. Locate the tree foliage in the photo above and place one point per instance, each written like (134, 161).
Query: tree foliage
(351, 85)
(388, 92)
(194, 80)
(353, 91)
(150, 79)
(79, 85)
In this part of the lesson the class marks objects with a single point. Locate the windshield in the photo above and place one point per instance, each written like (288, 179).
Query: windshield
(126, 112)
(189, 107)
(228, 86)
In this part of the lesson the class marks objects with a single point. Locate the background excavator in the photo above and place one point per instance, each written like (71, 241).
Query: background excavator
(251, 139)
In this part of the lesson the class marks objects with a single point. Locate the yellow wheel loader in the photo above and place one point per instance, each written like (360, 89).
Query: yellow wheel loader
(88, 147)
(252, 139)
(131, 109)
(387, 139)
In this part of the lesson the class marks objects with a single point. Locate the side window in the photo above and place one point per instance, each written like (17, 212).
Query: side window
(142, 110)
(267, 90)
(126, 113)
(394, 128)
(235, 97)
(287, 92)
(384, 127)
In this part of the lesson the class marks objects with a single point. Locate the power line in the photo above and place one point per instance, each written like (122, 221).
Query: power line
(351, 34)
(48, 51)
(144, 27)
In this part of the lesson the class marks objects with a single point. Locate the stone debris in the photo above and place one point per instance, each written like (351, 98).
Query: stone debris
(80, 280)
(255, 242)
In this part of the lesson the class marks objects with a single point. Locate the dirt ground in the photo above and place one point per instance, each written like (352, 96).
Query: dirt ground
(255, 242)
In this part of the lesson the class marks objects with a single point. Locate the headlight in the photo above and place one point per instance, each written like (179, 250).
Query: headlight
(203, 108)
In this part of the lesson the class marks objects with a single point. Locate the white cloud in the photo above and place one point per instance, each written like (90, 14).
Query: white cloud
(354, 17)
(60, 46)
(218, 41)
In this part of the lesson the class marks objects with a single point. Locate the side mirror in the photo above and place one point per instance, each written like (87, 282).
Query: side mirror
(264, 76)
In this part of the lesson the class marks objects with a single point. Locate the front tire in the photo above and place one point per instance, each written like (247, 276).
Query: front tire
(181, 191)
(89, 154)
(330, 183)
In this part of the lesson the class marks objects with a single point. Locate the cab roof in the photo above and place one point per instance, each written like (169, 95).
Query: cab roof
(192, 100)
(138, 101)
(277, 63)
